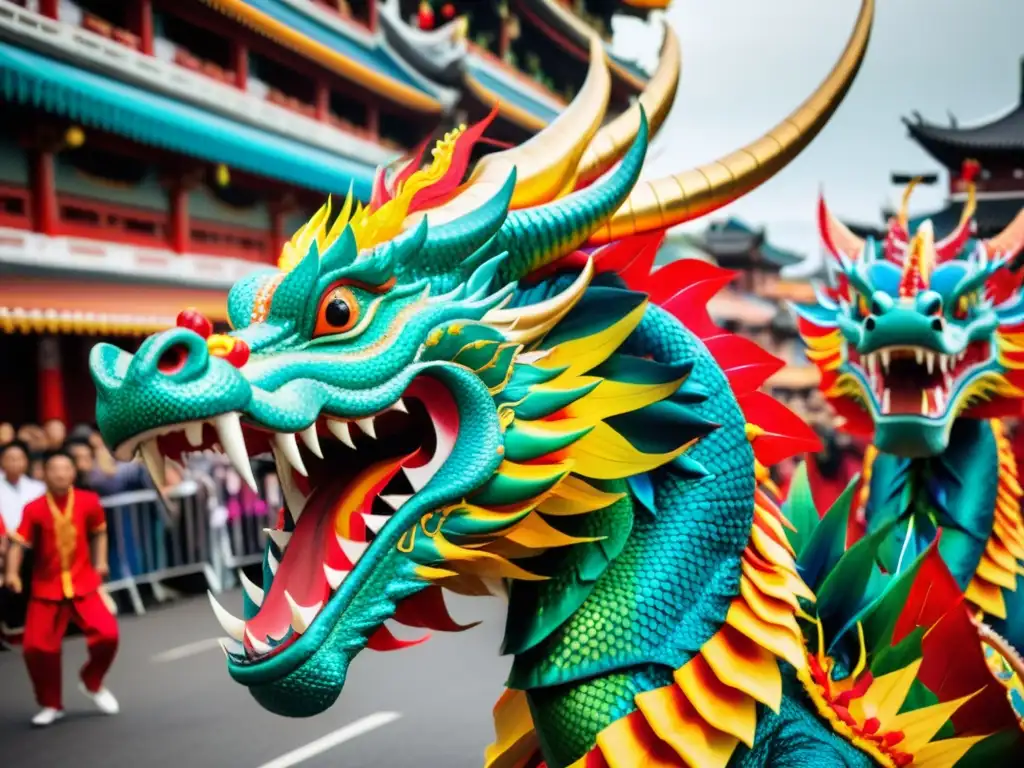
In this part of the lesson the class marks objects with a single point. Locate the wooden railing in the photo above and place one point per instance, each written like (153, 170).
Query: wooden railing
(15, 207)
(84, 217)
(224, 240)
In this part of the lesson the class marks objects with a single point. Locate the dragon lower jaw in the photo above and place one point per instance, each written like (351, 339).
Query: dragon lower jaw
(342, 482)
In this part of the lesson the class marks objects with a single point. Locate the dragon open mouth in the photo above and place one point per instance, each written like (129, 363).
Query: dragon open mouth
(342, 481)
(916, 381)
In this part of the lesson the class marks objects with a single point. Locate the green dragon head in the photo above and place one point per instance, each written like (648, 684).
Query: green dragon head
(451, 391)
(916, 333)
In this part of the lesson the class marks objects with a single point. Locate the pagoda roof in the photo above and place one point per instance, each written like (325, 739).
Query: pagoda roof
(568, 30)
(733, 238)
(991, 217)
(347, 48)
(103, 104)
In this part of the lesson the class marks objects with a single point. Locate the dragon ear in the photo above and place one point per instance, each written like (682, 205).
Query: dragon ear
(290, 296)
(341, 253)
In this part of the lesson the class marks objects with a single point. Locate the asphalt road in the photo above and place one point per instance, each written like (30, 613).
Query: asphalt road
(180, 708)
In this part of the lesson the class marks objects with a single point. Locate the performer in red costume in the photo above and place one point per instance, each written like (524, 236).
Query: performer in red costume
(59, 528)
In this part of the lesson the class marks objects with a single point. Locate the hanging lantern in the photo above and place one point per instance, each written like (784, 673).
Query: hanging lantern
(223, 175)
(425, 16)
(74, 137)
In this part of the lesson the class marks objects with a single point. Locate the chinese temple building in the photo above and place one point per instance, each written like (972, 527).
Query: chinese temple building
(997, 145)
(152, 152)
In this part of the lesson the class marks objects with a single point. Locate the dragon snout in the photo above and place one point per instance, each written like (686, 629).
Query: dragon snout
(895, 322)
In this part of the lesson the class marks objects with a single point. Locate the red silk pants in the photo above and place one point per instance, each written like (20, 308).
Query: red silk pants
(45, 626)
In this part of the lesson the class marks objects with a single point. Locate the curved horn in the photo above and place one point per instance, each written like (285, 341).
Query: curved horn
(538, 236)
(902, 217)
(683, 197)
(611, 142)
(1010, 241)
(545, 164)
(836, 236)
(951, 245)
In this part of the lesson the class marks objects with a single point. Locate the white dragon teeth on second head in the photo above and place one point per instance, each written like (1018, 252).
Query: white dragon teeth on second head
(367, 426)
(353, 549)
(234, 626)
(375, 522)
(285, 443)
(229, 429)
(154, 461)
(302, 615)
(279, 537)
(312, 441)
(231, 647)
(194, 433)
(272, 562)
(257, 645)
(399, 405)
(255, 593)
(334, 576)
(340, 430)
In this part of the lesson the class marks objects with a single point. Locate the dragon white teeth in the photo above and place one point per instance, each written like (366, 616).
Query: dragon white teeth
(194, 433)
(919, 355)
(924, 402)
(943, 363)
(886, 400)
(294, 499)
(172, 464)
(255, 593)
(353, 549)
(399, 406)
(375, 522)
(340, 430)
(367, 426)
(395, 501)
(930, 360)
(940, 400)
(334, 576)
(285, 443)
(272, 562)
(280, 538)
(229, 429)
(886, 357)
(231, 647)
(302, 615)
(154, 461)
(234, 626)
(309, 437)
(257, 645)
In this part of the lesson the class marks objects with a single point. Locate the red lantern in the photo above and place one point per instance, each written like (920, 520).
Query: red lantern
(448, 11)
(196, 321)
(425, 17)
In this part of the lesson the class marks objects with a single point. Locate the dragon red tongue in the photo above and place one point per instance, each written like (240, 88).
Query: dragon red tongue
(427, 610)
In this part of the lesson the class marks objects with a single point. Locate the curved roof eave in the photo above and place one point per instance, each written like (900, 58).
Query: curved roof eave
(515, 105)
(105, 104)
(375, 69)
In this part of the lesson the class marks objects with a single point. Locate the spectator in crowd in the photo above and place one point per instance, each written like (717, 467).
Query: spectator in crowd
(33, 436)
(7, 433)
(56, 433)
(65, 587)
(16, 488)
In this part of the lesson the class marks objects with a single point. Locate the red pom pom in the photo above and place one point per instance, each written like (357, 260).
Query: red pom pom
(196, 321)
(238, 355)
(969, 170)
(447, 10)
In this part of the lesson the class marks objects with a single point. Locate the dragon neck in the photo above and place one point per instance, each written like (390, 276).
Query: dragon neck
(668, 604)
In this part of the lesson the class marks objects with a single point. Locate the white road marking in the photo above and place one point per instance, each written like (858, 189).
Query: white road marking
(184, 651)
(333, 739)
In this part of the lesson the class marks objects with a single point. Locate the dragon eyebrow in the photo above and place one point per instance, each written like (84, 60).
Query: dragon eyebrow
(369, 287)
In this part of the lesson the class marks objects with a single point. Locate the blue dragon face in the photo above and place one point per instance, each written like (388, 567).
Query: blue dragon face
(913, 345)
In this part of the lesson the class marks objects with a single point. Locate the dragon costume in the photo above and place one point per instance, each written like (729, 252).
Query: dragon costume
(919, 343)
(481, 387)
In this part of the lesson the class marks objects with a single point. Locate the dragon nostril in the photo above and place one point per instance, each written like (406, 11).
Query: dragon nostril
(937, 324)
(933, 307)
(869, 324)
(876, 308)
(172, 359)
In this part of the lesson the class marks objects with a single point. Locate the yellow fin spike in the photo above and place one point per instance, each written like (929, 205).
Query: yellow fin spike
(515, 737)
(782, 642)
(741, 663)
(920, 725)
(478, 562)
(945, 753)
(575, 496)
(586, 353)
(675, 721)
(534, 533)
(604, 454)
(724, 708)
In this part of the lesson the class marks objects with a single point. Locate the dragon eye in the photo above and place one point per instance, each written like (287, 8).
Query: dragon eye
(962, 305)
(862, 305)
(339, 312)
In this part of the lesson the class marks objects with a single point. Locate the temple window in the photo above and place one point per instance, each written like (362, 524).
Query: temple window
(398, 131)
(107, 18)
(284, 86)
(193, 47)
(348, 113)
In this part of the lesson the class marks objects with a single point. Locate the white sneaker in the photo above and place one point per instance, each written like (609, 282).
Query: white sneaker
(103, 699)
(47, 716)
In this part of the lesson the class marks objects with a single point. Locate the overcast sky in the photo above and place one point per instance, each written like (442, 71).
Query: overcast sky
(748, 63)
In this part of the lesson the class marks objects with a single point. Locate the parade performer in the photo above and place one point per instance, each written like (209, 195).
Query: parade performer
(919, 343)
(481, 387)
(66, 531)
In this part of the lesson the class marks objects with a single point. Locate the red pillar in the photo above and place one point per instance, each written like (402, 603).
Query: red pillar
(241, 58)
(49, 8)
(323, 100)
(179, 230)
(44, 192)
(142, 24)
(51, 381)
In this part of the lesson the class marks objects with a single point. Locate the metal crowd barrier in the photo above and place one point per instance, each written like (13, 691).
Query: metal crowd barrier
(190, 532)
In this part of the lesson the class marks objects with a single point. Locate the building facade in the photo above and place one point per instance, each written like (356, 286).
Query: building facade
(154, 151)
